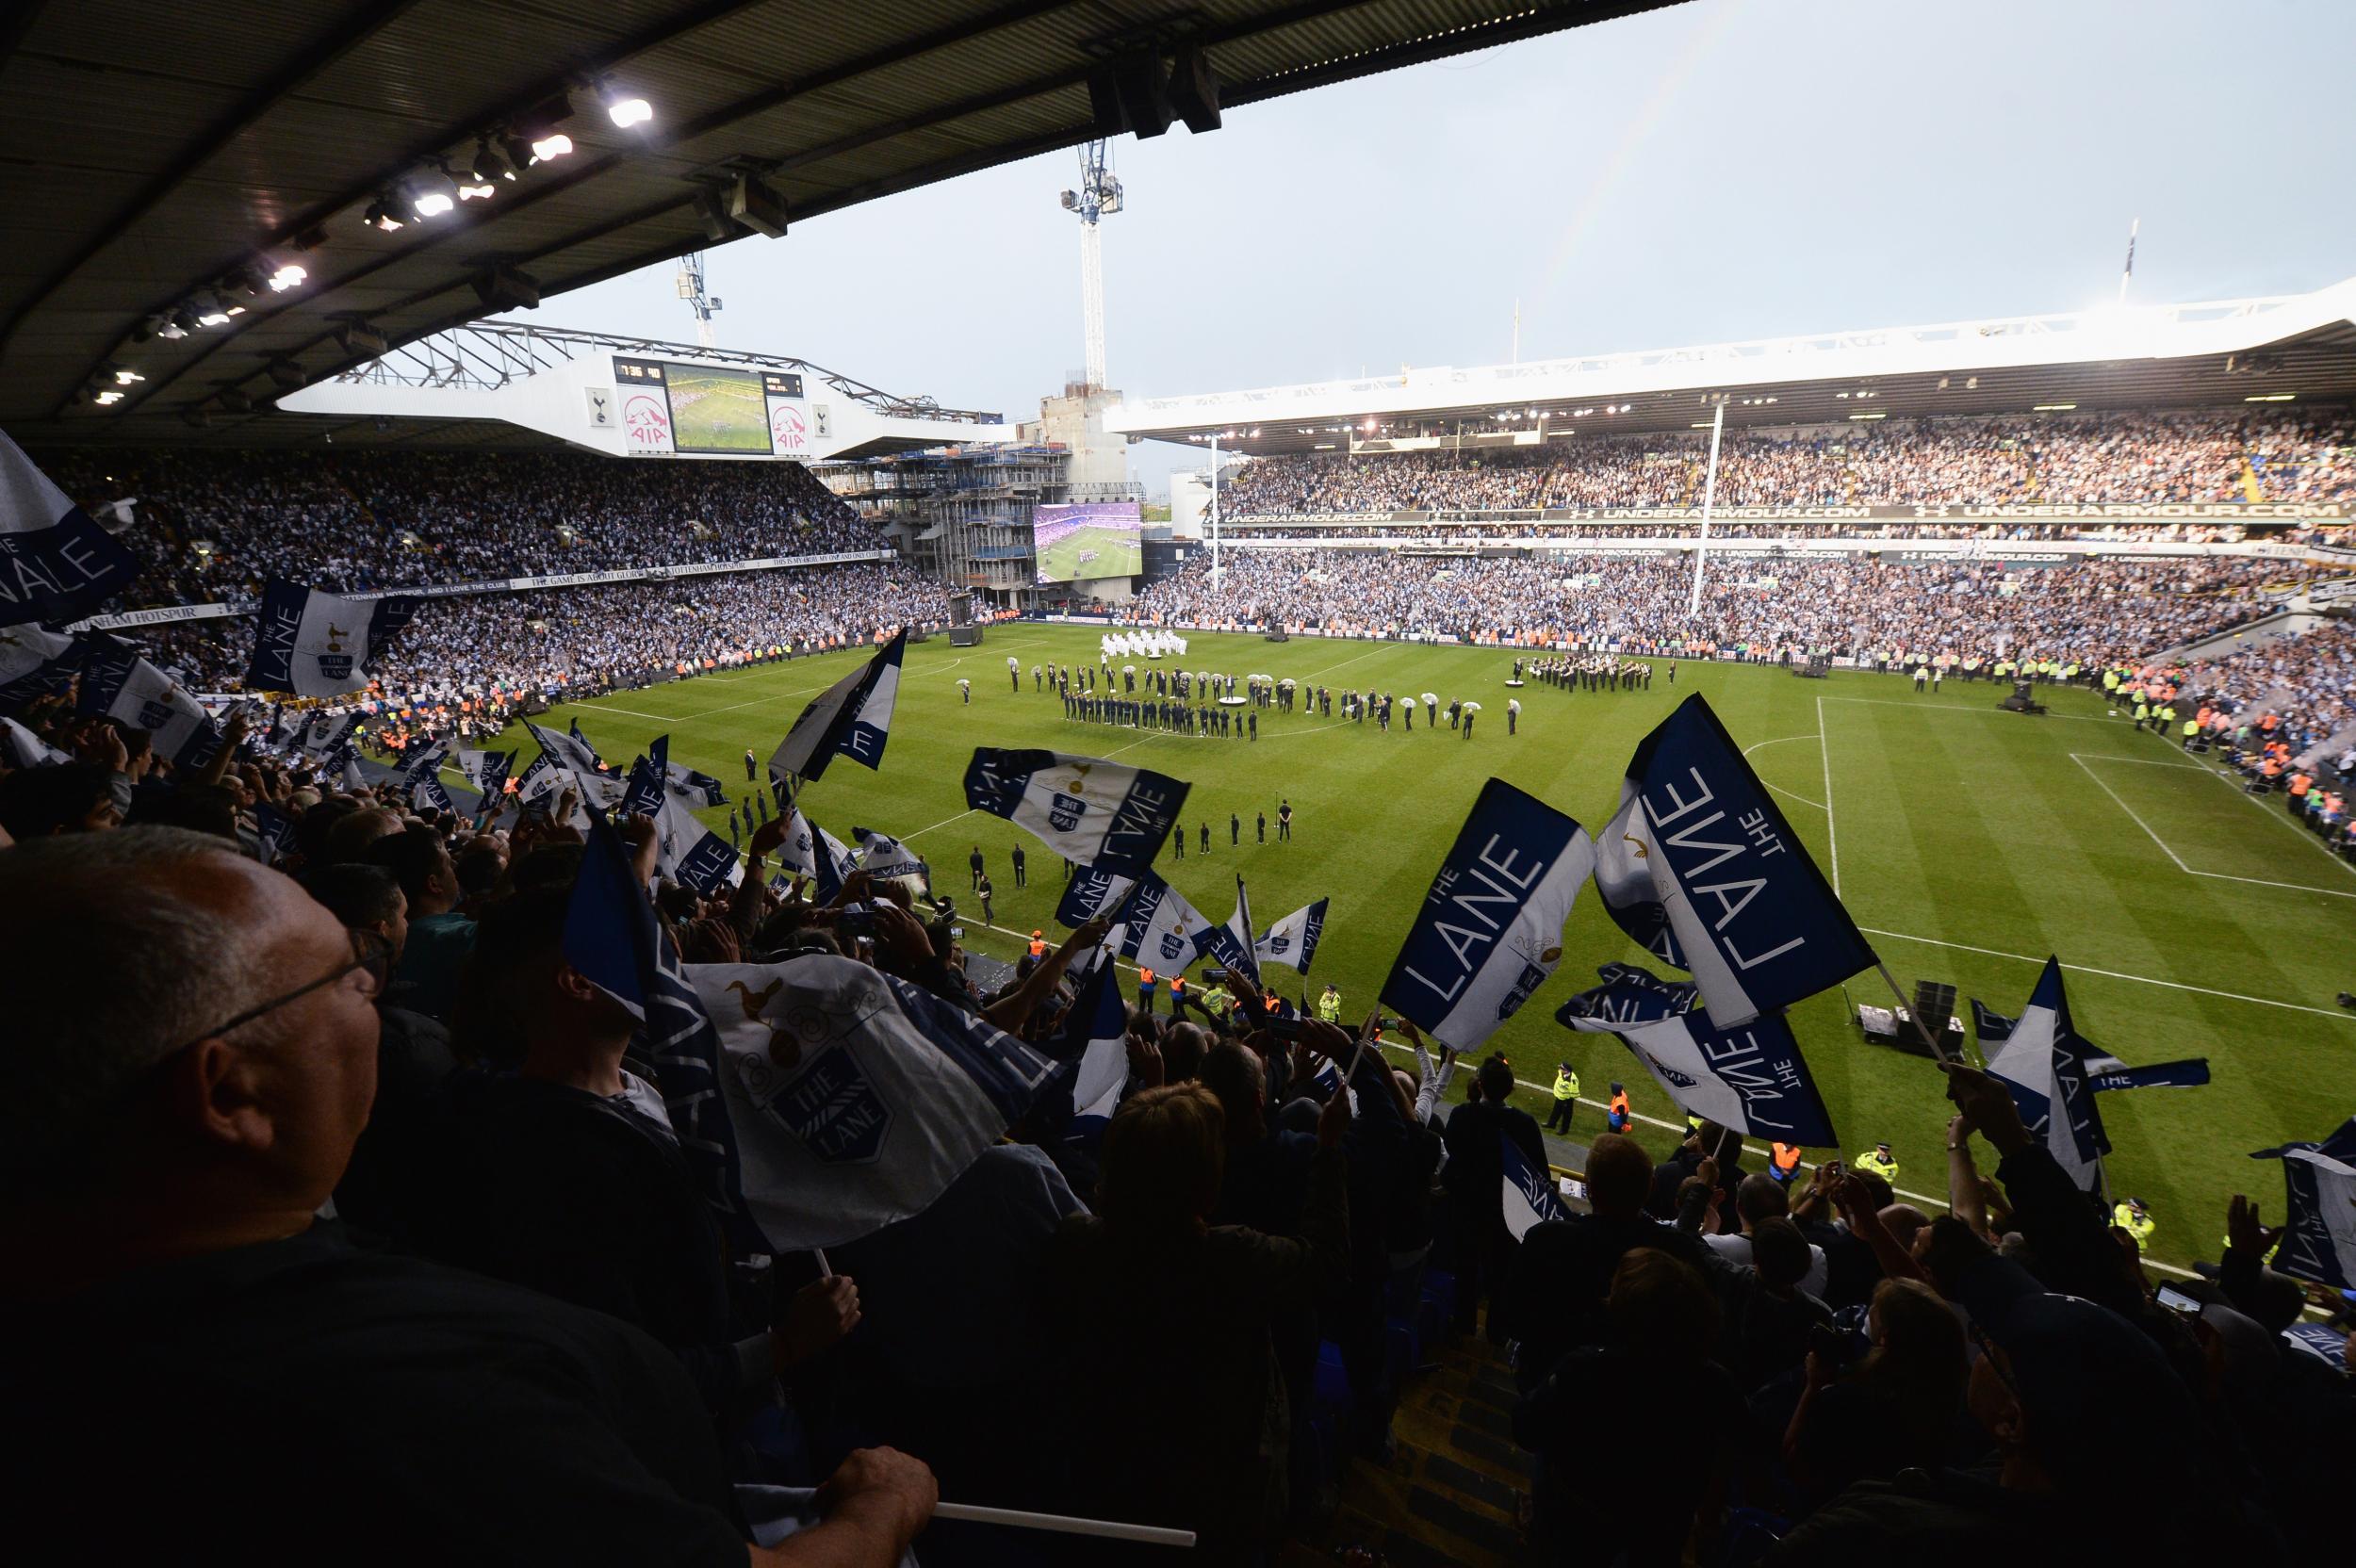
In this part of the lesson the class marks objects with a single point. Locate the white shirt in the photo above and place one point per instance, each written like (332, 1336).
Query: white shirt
(1737, 1250)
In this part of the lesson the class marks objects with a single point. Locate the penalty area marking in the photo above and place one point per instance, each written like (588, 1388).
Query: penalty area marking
(2340, 1013)
(1780, 739)
(2166, 849)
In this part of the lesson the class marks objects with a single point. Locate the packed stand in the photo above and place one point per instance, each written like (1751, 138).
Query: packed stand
(357, 1198)
(2090, 613)
(2133, 458)
(596, 637)
(211, 526)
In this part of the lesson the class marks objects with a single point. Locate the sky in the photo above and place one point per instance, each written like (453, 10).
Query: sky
(1723, 170)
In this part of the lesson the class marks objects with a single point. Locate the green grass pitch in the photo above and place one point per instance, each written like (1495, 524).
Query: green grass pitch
(720, 411)
(1968, 842)
(1118, 554)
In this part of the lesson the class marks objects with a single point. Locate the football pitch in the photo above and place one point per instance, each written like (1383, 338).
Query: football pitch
(718, 411)
(1115, 550)
(1967, 843)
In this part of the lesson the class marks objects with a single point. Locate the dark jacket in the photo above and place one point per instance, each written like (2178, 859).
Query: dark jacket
(1165, 1370)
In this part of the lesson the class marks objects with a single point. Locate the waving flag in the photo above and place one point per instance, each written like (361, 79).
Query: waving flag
(1096, 1042)
(20, 748)
(811, 851)
(486, 770)
(320, 644)
(1293, 940)
(1090, 893)
(276, 831)
(1160, 929)
(427, 793)
(856, 1098)
(56, 563)
(2319, 1233)
(117, 682)
(612, 938)
(1231, 945)
(851, 718)
(883, 857)
(1700, 869)
(1530, 1195)
(2041, 1062)
(1091, 812)
(2104, 1073)
(688, 784)
(1750, 1079)
(34, 663)
(1490, 930)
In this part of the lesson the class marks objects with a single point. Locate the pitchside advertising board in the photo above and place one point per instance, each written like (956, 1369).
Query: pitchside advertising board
(669, 408)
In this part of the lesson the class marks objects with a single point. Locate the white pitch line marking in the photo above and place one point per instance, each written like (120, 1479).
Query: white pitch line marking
(942, 823)
(2190, 871)
(1832, 839)
(1951, 708)
(2340, 1013)
(1777, 787)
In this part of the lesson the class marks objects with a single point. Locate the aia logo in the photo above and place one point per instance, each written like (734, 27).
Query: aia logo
(646, 420)
(788, 429)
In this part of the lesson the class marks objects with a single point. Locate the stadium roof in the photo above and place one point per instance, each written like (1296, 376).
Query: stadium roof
(2280, 352)
(171, 158)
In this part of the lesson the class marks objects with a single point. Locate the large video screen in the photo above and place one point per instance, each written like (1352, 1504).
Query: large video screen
(718, 411)
(1100, 539)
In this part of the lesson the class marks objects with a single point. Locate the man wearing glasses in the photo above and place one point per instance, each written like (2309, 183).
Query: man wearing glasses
(192, 1051)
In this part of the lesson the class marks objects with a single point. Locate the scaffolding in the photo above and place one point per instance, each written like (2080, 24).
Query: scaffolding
(961, 514)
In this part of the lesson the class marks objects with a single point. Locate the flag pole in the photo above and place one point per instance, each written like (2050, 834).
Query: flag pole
(1152, 1535)
(1928, 1039)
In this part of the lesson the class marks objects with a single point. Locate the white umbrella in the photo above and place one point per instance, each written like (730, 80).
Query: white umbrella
(1256, 677)
(1128, 669)
(1432, 699)
(1469, 708)
(1288, 681)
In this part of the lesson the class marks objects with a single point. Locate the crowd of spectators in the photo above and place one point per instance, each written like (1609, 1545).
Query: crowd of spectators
(2128, 458)
(598, 636)
(213, 524)
(356, 1201)
(2090, 613)
(2309, 680)
(1473, 531)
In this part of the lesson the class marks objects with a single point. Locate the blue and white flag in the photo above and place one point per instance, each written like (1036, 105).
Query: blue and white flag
(1490, 929)
(570, 751)
(486, 770)
(34, 663)
(1700, 868)
(690, 853)
(1096, 1043)
(2105, 1073)
(20, 748)
(425, 762)
(1293, 940)
(1091, 892)
(883, 857)
(856, 1098)
(612, 938)
(1231, 945)
(1750, 1079)
(139, 695)
(276, 831)
(2041, 1062)
(56, 563)
(851, 718)
(1159, 928)
(319, 645)
(2319, 1223)
(1529, 1193)
(327, 733)
(1091, 812)
(643, 795)
(811, 851)
(427, 793)
(690, 785)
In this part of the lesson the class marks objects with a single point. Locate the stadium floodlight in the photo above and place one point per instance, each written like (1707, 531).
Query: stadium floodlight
(381, 215)
(214, 311)
(625, 108)
(108, 397)
(556, 144)
(289, 276)
(489, 164)
(428, 193)
(359, 337)
(537, 131)
(2052, 408)
(2270, 397)
(123, 375)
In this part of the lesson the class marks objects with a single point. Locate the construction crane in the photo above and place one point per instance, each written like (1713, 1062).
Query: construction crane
(690, 288)
(1097, 197)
